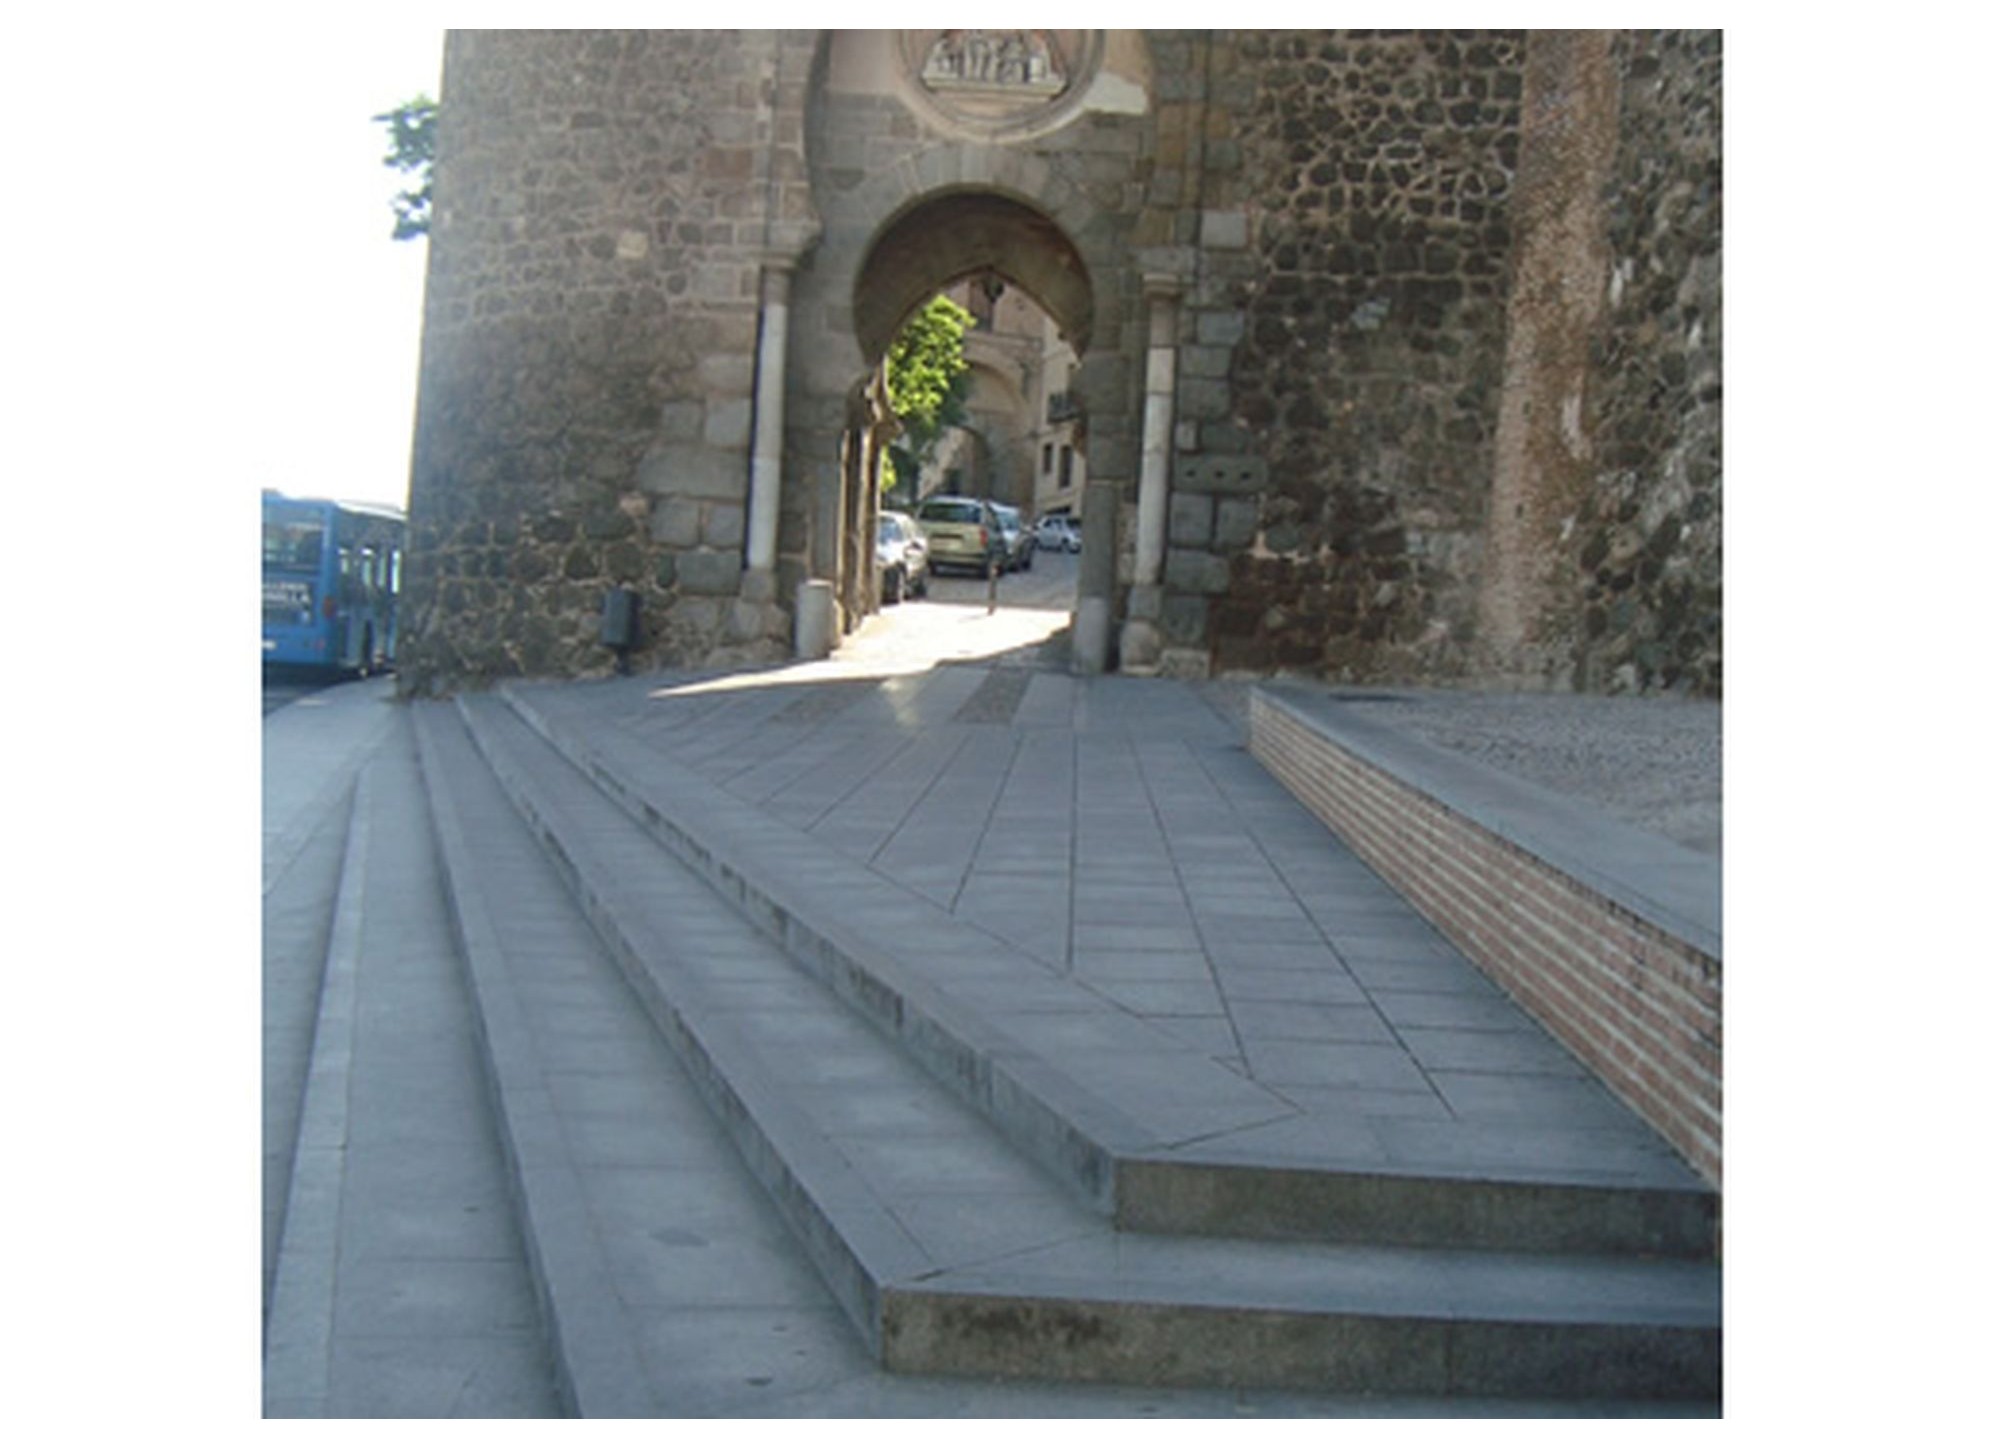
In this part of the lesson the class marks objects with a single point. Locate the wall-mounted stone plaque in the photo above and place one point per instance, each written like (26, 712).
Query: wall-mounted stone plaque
(1013, 63)
(995, 81)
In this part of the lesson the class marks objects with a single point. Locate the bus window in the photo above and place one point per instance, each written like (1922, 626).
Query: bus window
(292, 545)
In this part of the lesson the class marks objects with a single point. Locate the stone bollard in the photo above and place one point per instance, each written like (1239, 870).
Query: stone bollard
(813, 631)
(1092, 651)
(1096, 578)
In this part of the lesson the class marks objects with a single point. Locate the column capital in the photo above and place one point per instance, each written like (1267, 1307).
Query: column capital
(1169, 268)
(774, 281)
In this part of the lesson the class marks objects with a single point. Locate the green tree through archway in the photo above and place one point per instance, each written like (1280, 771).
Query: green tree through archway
(927, 380)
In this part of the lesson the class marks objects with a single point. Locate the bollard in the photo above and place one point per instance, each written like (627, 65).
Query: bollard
(813, 622)
(1091, 653)
(1096, 579)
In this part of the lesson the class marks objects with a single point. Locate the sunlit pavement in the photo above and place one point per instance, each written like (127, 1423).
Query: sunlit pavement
(921, 633)
(955, 624)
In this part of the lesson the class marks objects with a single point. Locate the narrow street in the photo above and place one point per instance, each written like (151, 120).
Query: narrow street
(1024, 620)
(1048, 583)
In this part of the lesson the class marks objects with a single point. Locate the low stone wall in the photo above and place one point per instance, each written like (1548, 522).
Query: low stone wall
(1631, 985)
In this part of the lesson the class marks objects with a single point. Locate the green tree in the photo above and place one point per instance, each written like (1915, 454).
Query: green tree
(412, 149)
(927, 377)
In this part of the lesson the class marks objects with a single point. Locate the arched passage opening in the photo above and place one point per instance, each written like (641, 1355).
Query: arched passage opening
(1031, 292)
(949, 237)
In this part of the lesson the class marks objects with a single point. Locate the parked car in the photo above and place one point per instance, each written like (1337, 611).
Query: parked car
(902, 558)
(1020, 537)
(962, 533)
(1059, 532)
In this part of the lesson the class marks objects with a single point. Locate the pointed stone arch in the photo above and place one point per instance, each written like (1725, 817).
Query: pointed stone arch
(911, 204)
(949, 236)
(978, 222)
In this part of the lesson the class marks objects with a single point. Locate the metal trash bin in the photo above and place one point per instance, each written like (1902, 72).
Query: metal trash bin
(618, 627)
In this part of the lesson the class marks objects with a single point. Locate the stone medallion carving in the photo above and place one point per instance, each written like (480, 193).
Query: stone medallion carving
(1002, 65)
(999, 84)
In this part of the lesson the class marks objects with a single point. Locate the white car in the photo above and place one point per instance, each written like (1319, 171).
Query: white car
(902, 558)
(1059, 530)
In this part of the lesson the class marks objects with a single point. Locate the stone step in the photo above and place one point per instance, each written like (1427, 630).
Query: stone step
(310, 916)
(399, 1286)
(1144, 1125)
(950, 1251)
(484, 860)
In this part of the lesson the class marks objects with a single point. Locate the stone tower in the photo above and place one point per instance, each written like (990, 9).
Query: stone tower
(1398, 353)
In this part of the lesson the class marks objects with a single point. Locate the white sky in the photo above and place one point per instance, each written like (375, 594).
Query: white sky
(332, 415)
(215, 305)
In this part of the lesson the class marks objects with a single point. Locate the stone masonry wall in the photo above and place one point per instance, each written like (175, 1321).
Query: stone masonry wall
(1339, 474)
(591, 316)
(1646, 548)
(1443, 310)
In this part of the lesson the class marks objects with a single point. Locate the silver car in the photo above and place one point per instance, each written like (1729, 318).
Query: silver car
(902, 558)
(1020, 538)
(1058, 533)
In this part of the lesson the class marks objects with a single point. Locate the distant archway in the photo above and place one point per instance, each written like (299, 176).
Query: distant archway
(927, 247)
(999, 415)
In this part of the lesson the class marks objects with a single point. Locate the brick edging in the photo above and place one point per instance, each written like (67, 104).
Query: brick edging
(1637, 1004)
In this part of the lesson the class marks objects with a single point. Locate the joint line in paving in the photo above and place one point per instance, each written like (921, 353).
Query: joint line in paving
(1255, 841)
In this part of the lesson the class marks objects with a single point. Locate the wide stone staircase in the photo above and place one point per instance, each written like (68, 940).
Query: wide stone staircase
(1000, 1170)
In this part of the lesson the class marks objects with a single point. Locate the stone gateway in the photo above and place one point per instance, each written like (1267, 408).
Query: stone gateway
(1396, 354)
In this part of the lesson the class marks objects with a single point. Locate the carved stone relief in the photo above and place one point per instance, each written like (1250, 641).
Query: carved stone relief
(998, 82)
(1016, 60)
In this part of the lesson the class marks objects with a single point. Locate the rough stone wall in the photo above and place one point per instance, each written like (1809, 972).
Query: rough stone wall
(1646, 547)
(1339, 476)
(1405, 314)
(590, 325)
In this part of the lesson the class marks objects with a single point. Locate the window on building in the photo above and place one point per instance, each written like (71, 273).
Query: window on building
(1048, 458)
(1068, 461)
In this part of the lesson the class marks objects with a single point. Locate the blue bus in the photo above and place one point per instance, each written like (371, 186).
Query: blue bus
(331, 575)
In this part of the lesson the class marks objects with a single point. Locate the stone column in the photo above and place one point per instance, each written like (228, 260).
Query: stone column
(1139, 641)
(767, 443)
(1163, 296)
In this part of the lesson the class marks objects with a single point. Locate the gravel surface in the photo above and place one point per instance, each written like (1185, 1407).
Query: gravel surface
(1655, 763)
